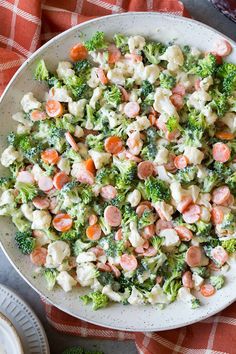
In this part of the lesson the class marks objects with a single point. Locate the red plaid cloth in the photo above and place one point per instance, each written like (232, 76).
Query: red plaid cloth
(25, 25)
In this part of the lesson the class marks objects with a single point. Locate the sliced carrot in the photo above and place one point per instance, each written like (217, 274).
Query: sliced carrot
(94, 232)
(60, 179)
(102, 76)
(78, 52)
(114, 54)
(54, 108)
(62, 222)
(152, 119)
(37, 115)
(89, 165)
(180, 162)
(113, 144)
(221, 152)
(207, 290)
(134, 57)
(224, 135)
(71, 141)
(217, 215)
(50, 156)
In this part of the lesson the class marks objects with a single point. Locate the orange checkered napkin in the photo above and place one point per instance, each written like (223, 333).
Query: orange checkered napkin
(24, 26)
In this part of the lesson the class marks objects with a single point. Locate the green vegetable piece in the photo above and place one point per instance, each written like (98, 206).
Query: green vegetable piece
(50, 275)
(195, 303)
(27, 191)
(41, 73)
(96, 42)
(153, 51)
(217, 281)
(113, 96)
(25, 242)
(157, 190)
(98, 300)
(167, 81)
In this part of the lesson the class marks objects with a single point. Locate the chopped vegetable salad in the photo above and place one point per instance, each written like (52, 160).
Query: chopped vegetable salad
(123, 179)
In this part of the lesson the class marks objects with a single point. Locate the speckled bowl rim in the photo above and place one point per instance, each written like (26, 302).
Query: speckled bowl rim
(13, 330)
(28, 280)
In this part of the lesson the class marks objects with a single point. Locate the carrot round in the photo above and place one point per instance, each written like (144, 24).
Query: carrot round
(89, 165)
(62, 222)
(78, 52)
(50, 156)
(54, 108)
(207, 290)
(224, 135)
(113, 145)
(94, 232)
(180, 162)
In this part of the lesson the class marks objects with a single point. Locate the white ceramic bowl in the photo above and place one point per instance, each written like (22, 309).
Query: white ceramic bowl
(155, 26)
(9, 340)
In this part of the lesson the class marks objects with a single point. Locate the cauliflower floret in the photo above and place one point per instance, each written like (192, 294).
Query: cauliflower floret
(79, 132)
(27, 211)
(88, 256)
(86, 273)
(197, 280)
(136, 44)
(174, 56)
(163, 174)
(114, 296)
(20, 117)
(133, 97)
(162, 102)
(37, 172)
(185, 295)
(113, 118)
(194, 191)
(136, 297)
(194, 155)
(141, 123)
(23, 129)
(64, 165)
(206, 83)
(96, 286)
(205, 214)
(201, 172)
(204, 199)
(157, 296)
(177, 192)
(116, 76)
(134, 198)
(198, 99)
(171, 238)
(94, 80)
(99, 158)
(77, 108)
(9, 155)
(134, 237)
(29, 102)
(162, 156)
(211, 116)
(60, 94)
(138, 73)
(64, 70)
(7, 197)
(41, 220)
(151, 73)
(100, 58)
(97, 94)
(230, 120)
(166, 210)
(57, 252)
(65, 280)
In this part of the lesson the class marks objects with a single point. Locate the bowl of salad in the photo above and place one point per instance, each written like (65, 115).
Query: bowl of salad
(118, 171)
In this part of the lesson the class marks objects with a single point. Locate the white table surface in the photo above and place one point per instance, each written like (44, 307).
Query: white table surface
(203, 11)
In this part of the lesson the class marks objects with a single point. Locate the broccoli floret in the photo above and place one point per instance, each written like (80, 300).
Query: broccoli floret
(172, 124)
(176, 262)
(6, 183)
(25, 241)
(82, 67)
(156, 242)
(228, 222)
(72, 155)
(227, 72)
(153, 51)
(231, 182)
(157, 190)
(77, 85)
(66, 123)
(219, 102)
(106, 175)
(203, 272)
(193, 137)
(153, 263)
(128, 214)
(190, 61)
(203, 229)
(149, 152)
(217, 281)
(56, 138)
(186, 175)
(172, 285)
(95, 142)
(112, 247)
(222, 170)
(195, 303)
(98, 300)
(120, 130)
(50, 276)
(70, 235)
(146, 88)
(210, 181)
(121, 42)
(27, 191)
(96, 42)
(113, 96)
(205, 67)
(33, 154)
(148, 218)
(13, 139)
(80, 246)
(196, 120)
(167, 81)
(41, 73)
(128, 173)
(229, 245)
